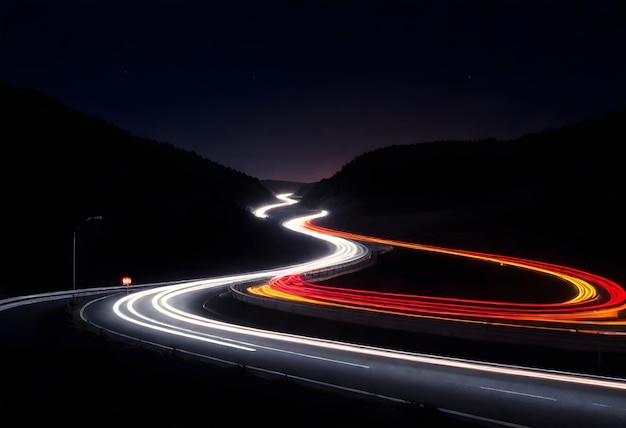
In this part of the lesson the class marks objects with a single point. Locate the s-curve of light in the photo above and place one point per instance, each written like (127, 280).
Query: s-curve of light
(294, 288)
(175, 319)
(343, 251)
(597, 300)
(205, 329)
(286, 201)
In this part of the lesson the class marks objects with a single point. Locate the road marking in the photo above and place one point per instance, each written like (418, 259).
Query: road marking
(601, 405)
(506, 391)
(331, 385)
(483, 419)
(315, 357)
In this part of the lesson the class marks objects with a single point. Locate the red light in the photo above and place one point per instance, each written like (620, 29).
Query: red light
(598, 301)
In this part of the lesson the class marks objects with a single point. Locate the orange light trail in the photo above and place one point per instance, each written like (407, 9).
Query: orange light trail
(597, 301)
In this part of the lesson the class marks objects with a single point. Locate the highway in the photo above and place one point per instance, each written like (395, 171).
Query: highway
(175, 317)
(596, 304)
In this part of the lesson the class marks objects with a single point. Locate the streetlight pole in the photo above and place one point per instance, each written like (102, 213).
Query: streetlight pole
(98, 217)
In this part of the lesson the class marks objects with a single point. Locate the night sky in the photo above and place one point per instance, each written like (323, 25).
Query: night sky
(293, 90)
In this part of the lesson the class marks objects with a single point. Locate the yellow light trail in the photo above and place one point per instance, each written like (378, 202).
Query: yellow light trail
(587, 307)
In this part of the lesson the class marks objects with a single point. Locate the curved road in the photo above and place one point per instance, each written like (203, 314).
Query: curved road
(174, 316)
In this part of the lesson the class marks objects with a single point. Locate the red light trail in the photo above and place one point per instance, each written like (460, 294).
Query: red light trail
(597, 301)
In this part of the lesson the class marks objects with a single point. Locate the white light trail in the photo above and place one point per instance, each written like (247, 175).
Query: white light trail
(286, 201)
(163, 300)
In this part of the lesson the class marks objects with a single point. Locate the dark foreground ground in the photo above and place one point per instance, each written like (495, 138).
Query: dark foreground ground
(54, 374)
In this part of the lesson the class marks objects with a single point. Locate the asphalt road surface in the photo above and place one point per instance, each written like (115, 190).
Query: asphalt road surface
(56, 373)
(511, 396)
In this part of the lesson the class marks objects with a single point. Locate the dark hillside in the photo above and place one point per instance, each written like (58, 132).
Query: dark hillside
(557, 194)
(167, 213)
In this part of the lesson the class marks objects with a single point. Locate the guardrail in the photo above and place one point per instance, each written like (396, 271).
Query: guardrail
(325, 273)
(14, 302)
(334, 271)
(351, 266)
(570, 339)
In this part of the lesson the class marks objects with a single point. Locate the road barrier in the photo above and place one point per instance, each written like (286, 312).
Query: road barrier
(14, 302)
(569, 339)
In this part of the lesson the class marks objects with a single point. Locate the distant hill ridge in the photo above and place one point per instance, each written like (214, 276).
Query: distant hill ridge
(448, 173)
(53, 135)
(559, 190)
(167, 212)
